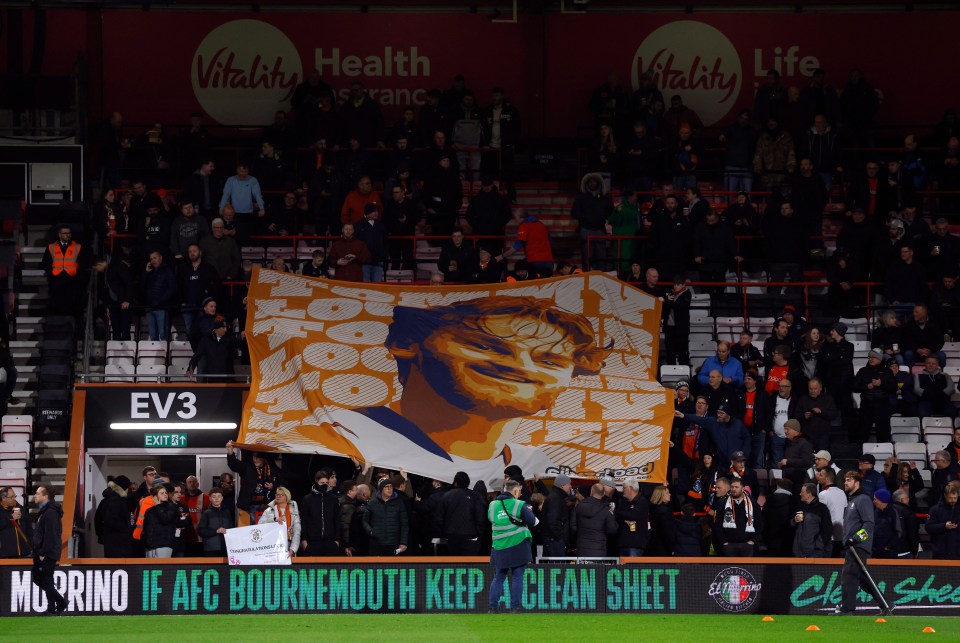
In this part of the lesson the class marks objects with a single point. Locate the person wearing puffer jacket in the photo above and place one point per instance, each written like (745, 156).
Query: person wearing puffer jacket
(592, 521)
(283, 509)
(159, 528)
(386, 521)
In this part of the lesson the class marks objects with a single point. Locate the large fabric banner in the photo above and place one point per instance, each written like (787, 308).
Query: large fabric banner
(264, 544)
(556, 376)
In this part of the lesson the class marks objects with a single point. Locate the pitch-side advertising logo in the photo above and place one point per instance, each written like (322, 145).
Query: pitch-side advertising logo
(735, 589)
(694, 60)
(244, 71)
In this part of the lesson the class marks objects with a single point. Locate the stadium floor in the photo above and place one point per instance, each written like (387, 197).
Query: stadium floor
(477, 627)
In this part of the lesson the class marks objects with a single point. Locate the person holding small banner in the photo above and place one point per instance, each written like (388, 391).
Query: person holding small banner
(284, 510)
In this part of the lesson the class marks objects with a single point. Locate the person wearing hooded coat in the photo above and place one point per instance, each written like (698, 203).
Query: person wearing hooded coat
(386, 521)
(591, 209)
(112, 520)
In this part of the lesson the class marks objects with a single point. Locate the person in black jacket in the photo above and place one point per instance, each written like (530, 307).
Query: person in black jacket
(353, 504)
(689, 529)
(259, 478)
(15, 541)
(632, 515)
(556, 517)
(122, 291)
(47, 545)
(714, 249)
(784, 254)
(591, 209)
(836, 367)
(461, 516)
(112, 520)
(875, 385)
(778, 507)
(663, 528)
(592, 521)
(387, 522)
(922, 337)
(814, 527)
(197, 280)
(320, 516)
(905, 280)
(158, 523)
(943, 524)
(442, 195)
(160, 289)
(458, 261)
(676, 325)
(216, 353)
(214, 523)
(373, 232)
(739, 523)
(889, 538)
(669, 242)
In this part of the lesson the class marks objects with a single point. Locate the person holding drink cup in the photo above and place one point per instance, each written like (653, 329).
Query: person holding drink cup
(814, 527)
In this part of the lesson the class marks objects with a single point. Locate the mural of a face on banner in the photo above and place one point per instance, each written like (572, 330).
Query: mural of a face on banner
(552, 379)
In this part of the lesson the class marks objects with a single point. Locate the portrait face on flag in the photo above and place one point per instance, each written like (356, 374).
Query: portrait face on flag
(547, 376)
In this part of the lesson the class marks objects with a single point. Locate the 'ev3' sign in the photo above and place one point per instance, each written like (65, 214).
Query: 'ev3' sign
(150, 406)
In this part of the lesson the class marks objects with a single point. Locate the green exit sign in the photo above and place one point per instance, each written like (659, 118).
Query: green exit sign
(165, 440)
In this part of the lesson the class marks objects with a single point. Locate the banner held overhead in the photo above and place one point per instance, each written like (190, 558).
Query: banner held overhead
(556, 376)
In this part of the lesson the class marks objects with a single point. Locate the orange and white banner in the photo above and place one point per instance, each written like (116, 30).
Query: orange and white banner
(555, 376)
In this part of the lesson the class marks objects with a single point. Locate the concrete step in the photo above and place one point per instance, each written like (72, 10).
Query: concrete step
(49, 472)
(50, 444)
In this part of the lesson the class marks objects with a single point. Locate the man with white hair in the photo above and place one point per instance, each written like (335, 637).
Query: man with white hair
(221, 251)
(632, 514)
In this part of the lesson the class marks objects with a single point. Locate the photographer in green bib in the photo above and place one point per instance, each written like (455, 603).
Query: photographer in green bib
(512, 519)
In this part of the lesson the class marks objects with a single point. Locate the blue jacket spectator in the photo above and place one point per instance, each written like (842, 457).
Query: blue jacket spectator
(731, 370)
(242, 191)
(727, 433)
(872, 480)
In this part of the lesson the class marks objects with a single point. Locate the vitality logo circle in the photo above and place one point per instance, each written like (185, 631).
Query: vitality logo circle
(694, 60)
(244, 71)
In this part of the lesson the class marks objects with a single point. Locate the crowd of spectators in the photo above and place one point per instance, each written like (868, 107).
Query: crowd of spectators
(178, 252)
(725, 511)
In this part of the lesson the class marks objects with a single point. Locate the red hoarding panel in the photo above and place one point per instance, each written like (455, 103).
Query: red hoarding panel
(239, 68)
(716, 61)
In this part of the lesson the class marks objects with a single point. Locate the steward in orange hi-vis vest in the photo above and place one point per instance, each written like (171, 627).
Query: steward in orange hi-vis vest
(64, 260)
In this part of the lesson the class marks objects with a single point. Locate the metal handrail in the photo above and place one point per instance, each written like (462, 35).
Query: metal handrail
(88, 377)
(93, 297)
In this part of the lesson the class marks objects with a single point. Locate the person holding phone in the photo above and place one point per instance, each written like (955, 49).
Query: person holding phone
(943, 522)
(347, 256)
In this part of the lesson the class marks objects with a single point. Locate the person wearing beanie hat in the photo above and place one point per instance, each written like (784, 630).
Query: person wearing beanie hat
(840, 328)
(797, 324)
(727, 432)
(111, 521)
(386, 521)
(556, 517)
(372, 231)
(890, 534)
(797, 454)
(683, 401)
(876, 385)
